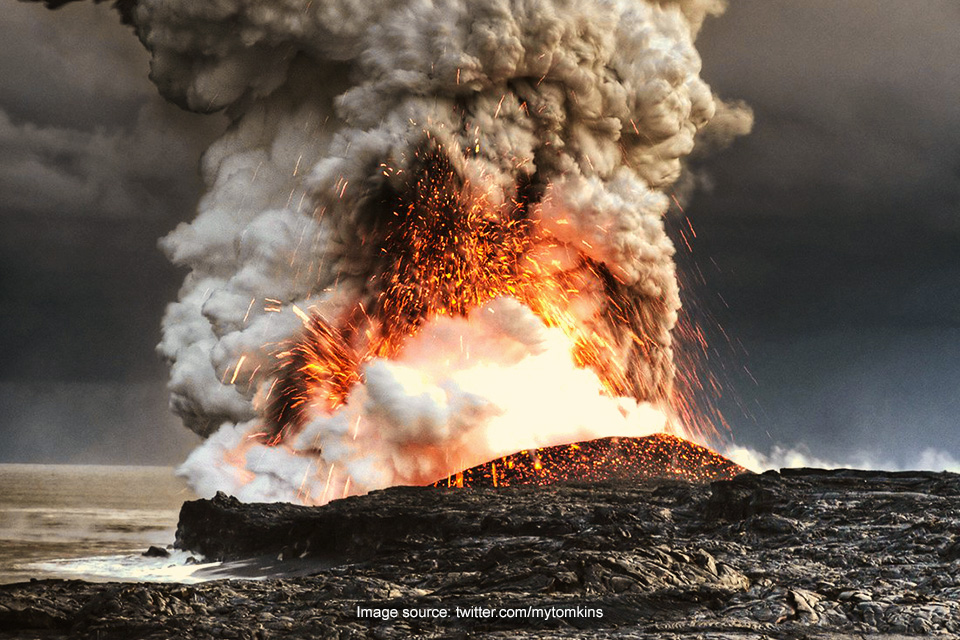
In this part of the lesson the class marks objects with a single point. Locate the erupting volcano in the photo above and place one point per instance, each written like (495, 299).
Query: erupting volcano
(433, 235)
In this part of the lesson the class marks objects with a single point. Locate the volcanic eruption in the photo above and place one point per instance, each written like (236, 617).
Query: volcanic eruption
(433, 234)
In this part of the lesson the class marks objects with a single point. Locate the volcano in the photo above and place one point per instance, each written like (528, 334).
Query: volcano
(657, 456)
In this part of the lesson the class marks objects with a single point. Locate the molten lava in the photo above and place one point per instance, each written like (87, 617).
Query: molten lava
(434, 233)
(656, 456)
(476, 334)
(445, 250)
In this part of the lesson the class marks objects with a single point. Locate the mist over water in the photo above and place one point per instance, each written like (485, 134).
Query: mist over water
(59, 512)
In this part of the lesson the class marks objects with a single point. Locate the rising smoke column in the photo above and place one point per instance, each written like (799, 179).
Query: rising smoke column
(532, 142)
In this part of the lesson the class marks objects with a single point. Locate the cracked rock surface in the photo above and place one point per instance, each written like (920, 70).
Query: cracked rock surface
(799, 554)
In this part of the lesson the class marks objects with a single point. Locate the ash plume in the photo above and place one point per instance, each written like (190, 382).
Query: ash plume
(411, 192)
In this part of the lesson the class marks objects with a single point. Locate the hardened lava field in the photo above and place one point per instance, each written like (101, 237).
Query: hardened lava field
(656, 456)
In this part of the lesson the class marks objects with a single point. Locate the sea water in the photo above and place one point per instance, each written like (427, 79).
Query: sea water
(90, 522)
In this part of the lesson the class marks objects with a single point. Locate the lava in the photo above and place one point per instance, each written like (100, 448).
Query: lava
(656, 456)
(433, 233)
(445, 250)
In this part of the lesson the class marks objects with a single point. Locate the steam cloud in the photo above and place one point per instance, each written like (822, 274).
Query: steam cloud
(573, 115)
(782, 457)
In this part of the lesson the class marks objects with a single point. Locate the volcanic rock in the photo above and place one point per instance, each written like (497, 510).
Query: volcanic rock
(657, 456)
(798, 554)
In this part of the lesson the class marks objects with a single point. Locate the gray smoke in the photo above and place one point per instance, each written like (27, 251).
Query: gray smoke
(588, 105)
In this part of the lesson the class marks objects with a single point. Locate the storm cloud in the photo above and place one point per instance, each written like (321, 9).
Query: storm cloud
(94, 167)
(828, 239)
(831, 236)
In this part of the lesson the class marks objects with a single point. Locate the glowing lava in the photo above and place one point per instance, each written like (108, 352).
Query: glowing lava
(445, 251)
(656, 456)
(433, 236)
(479, 334)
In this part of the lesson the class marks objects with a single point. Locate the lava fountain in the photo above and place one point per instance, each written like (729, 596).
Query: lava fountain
(433, 234)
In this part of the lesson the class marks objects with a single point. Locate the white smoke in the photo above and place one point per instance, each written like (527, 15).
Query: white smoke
(594, 102)
(419, 417)
(783, 457)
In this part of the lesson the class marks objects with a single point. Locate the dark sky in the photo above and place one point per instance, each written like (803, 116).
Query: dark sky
(836, 225)
(94, 168)
(829, 239)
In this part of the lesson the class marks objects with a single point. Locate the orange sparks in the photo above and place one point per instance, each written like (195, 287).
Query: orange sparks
(249, 307)
(441, 248)
(236, 372)
(326, 487)
(656, 456)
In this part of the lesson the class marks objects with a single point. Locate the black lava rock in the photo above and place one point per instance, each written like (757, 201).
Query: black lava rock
(797, 554)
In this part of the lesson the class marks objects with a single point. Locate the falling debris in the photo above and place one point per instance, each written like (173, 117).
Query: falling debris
(449, 218)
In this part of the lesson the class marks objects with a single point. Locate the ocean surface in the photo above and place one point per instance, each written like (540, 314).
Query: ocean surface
(90, 522)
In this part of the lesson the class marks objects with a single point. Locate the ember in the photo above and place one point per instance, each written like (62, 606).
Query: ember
(434, 234)
(656, 456)
(444, 251)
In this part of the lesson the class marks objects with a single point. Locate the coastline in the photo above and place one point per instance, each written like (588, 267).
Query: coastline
(797, 554)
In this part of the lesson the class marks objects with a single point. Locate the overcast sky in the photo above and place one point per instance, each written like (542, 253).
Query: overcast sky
(829, 239)
(94, 168)
(836, 224)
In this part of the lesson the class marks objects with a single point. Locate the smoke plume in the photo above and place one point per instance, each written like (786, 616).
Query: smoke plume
(783, 457)
(433, 233)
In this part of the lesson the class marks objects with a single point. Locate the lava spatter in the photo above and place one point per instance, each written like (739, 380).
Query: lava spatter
(433, 233)
(655, 456)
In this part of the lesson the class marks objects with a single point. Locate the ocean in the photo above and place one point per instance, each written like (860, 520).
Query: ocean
(90, 522)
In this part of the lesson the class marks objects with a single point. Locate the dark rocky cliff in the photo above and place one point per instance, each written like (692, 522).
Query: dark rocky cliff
(802, 554)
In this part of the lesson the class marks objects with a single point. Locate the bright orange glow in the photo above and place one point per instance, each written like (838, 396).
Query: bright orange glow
(445, 251)
(657, 456)
(450, 262)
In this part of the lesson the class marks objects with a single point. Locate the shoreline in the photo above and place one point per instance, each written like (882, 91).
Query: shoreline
(796, 554)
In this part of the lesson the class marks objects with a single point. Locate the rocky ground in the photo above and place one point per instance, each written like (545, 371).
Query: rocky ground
(801, 554)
